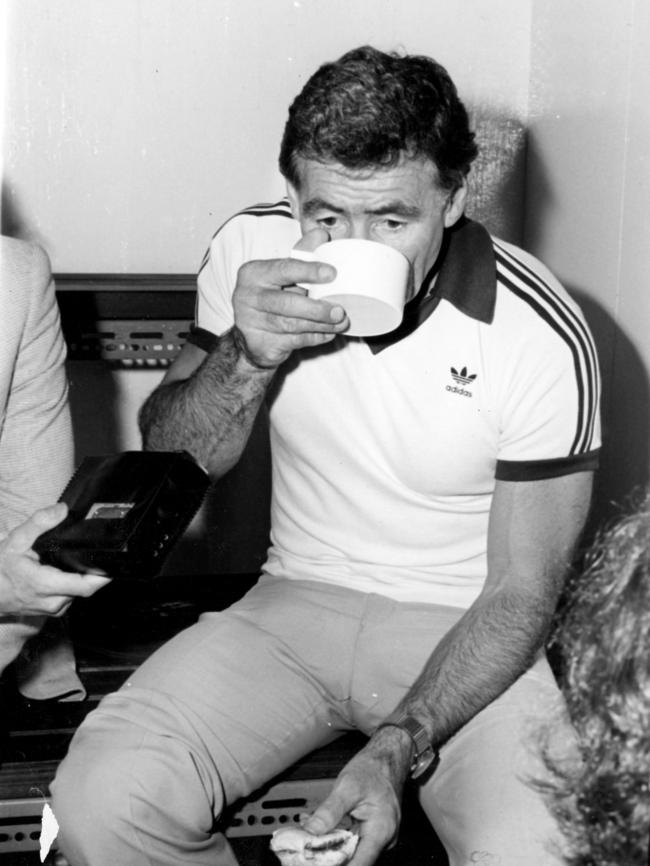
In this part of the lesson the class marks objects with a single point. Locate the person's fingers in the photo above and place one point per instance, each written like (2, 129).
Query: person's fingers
(327, 815)
(374, 835)
(51, 515)
(254, 277)
(23, 536)
(70, 584)
(92, 583)
(291, 271)
(274, 318)
(368, 850)
(292, 312)
(47, 580)
(312, 239)
(62, 607)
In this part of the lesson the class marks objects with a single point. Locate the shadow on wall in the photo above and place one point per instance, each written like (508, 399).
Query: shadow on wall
(13, 221)
(625, 413)
(625, 460)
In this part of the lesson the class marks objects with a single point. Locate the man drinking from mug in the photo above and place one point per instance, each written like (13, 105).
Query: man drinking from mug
(429, 486)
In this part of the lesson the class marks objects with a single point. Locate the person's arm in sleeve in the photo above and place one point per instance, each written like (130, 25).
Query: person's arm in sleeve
(36, 445)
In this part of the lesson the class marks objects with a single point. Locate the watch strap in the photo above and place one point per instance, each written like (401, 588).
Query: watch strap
(425, 756)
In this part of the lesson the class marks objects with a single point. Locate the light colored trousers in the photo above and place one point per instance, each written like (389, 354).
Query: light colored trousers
(235, 699)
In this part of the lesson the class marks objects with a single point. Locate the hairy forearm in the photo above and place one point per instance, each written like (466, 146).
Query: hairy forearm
(211, 413)
(487, 650)
(532, 534)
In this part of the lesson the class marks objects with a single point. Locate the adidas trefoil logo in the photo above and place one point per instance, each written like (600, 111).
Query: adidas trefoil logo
(461, 378)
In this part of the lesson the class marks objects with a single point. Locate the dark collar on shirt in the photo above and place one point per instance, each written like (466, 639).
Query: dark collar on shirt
(465, 275)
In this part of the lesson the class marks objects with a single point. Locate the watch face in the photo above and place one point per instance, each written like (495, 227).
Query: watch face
(424, 763)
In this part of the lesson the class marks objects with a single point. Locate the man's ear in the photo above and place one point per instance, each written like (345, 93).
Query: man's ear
(456, 205)
(292, 195)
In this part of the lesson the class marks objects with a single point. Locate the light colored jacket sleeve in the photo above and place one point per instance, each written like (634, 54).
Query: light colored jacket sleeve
(36, 447)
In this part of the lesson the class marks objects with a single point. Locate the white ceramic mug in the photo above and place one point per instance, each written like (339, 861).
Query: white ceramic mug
(370, 284)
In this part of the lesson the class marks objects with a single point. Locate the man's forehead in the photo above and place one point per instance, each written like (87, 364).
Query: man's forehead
(419, 164)
(404, 178)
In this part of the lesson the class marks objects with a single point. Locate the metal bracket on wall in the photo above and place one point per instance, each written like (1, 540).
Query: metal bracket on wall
(130, 321)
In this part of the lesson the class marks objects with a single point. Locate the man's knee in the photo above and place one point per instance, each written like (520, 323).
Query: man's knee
(92, 785)
(124, 788)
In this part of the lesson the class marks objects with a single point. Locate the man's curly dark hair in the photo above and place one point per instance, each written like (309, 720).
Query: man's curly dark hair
(369, 108)
(604, 641)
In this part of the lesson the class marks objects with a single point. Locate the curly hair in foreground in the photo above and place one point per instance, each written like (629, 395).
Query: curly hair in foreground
(369, 108)
(604, 642)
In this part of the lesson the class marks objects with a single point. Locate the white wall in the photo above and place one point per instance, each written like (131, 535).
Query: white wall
(588, 200)
(3, 74)
(134, 127)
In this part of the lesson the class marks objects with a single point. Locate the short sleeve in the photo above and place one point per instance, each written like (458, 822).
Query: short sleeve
(550, 421)
(217, 278)
(260, 232)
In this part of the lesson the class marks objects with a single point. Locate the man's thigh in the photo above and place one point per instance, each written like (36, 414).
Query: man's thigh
(482, 798)
(249, 690)
(212, 715)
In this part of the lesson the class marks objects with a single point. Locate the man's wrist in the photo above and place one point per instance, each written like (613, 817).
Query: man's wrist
(396, 738)
(424, 756)
(394, 748)
(243, 352)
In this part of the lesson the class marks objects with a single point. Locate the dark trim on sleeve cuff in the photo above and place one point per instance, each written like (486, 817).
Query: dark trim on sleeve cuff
(201, 338)
(536, 470)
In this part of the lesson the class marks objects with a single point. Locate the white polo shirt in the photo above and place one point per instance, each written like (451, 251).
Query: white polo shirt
(385, 451)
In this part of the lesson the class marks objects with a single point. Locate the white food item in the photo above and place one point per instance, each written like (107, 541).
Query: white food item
(296, 847)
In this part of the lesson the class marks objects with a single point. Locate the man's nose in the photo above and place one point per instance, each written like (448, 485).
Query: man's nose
(358, 230)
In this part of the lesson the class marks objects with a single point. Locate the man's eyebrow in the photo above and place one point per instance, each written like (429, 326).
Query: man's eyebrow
(312, 205)
(397, 208)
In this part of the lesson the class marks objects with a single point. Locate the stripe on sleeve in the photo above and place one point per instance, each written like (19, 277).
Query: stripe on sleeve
(537, 470)
(534, 291)
(279, 208)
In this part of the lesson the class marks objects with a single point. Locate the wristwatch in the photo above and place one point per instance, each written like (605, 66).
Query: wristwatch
(426, 757)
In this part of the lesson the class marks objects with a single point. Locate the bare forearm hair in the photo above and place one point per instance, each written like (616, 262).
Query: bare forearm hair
(490, 646)
(534, 527)
(209, 414)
